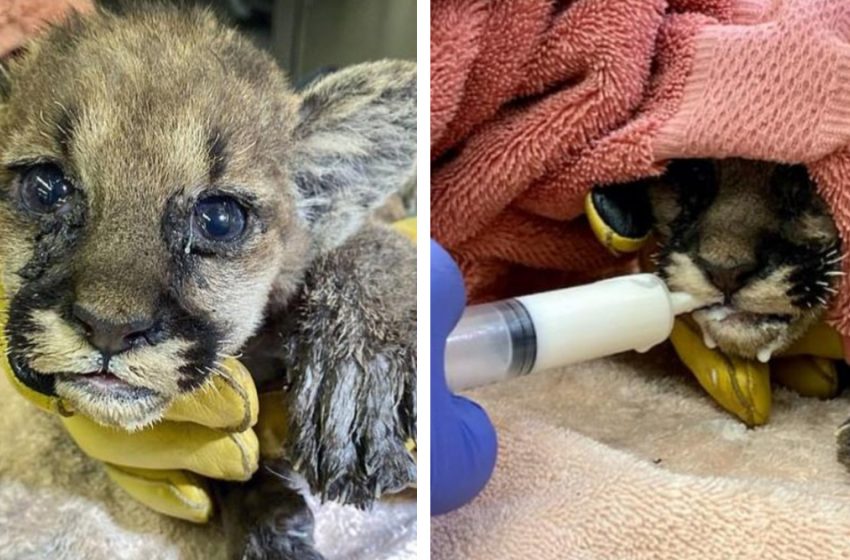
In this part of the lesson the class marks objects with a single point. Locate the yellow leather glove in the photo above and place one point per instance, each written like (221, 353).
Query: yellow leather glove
(742, 387)
(620, 217)
(809, 366)
(407, 227)
(206, 433)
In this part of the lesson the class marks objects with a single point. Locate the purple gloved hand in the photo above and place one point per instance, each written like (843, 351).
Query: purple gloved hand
(463, 441)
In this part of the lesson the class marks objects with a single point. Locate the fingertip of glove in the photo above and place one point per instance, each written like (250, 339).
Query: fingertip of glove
(174, 493)
(483, 434)
(406, 227)
(466, 458)
(249, 450)
(239, 379)
(228, 401)
(618, 228)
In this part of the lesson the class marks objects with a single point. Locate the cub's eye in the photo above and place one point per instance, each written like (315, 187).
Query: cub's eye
(791, 186)
(45, 189)
(696, 181)
(220, 218)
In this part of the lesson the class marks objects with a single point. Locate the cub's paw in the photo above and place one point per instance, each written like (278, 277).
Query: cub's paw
(350, 355)
(267, 519)
(279, 534)
(351, 415)
(279, 539)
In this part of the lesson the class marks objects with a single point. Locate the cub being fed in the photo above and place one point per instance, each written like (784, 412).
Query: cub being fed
(167, 200)
(754, 235)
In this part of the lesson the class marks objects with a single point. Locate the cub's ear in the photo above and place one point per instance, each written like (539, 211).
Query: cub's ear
(355, 144)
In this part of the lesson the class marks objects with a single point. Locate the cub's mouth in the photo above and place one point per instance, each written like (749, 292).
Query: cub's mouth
(106, 385)
(101, 383)
(100, 395)
(731, 316)
(115, 380)
(744, 333)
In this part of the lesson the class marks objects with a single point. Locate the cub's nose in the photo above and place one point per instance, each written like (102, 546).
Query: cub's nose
(728, 279)
(110, 337)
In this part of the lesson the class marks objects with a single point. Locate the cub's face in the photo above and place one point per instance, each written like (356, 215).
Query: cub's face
(145, 218)
(755, 236)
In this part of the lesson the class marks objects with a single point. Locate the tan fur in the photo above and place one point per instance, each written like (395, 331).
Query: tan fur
(127, 144)
(686, 276)
(136, 126)
(143, 97)
(728, 233)
(60, 345)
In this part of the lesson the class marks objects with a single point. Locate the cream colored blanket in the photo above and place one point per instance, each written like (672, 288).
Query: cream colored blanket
(56, 504)
(627, 458)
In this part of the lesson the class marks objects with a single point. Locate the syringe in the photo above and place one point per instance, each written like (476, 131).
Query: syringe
(504, 339)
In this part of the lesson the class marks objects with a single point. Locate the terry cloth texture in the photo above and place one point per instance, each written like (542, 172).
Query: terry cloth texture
(534, 102)
(624, 458)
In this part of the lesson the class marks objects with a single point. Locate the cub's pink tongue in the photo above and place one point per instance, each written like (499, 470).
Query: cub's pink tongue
(104, 380)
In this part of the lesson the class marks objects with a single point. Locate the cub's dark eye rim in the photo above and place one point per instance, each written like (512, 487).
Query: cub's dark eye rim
(695, 182)
(45, 189)
(219, 219)
(793, 189)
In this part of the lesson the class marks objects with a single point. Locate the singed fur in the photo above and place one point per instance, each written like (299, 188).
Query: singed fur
(148, 111)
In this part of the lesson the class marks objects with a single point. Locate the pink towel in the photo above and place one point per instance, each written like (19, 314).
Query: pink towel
(536, 102)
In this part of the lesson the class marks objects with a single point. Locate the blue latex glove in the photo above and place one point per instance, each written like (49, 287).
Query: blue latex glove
(463, 441)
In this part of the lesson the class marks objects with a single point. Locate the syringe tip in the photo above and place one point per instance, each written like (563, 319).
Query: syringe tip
(684, 302)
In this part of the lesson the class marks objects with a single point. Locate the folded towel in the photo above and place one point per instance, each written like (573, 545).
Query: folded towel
(536, 102)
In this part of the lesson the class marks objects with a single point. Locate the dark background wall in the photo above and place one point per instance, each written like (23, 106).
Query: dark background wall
(306, 36)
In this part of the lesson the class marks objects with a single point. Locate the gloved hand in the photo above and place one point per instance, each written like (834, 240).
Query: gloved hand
(742, 387)
(621, 219)
(463, 441)
(206, 433)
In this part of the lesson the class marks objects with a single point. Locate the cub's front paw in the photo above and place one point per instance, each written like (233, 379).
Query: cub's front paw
(266, 518)
(352, 413)
(280, 538)
(350, 356)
